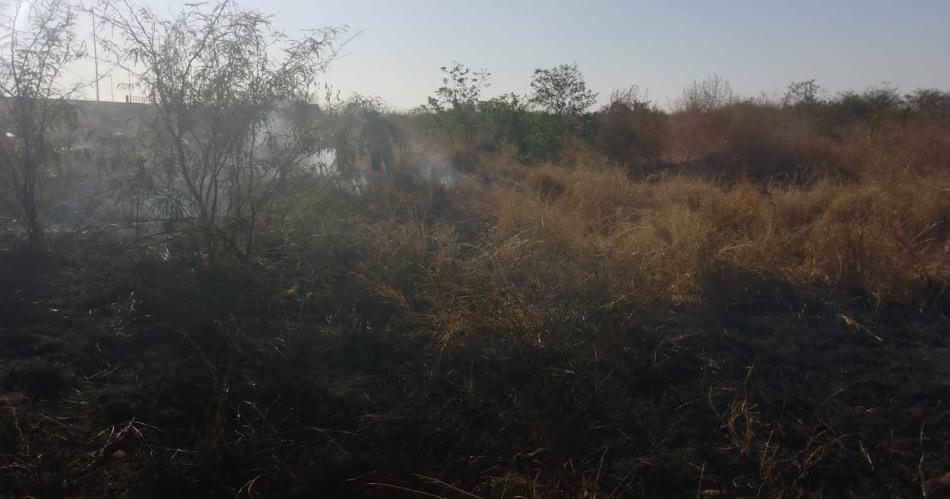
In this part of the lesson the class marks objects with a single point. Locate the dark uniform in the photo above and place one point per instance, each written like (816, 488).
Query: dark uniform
(378, 136)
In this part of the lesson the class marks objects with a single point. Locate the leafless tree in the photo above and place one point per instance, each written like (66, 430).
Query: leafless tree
(232, 124)
(712, 93)
(38, 43)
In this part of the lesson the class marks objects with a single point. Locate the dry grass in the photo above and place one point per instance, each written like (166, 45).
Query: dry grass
(553, 330)
(573, 239)
(564, 262)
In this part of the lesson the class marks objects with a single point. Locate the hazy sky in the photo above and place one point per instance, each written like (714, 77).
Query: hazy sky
(759, 46)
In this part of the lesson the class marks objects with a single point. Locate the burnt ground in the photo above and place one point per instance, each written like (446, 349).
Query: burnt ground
(131, 377)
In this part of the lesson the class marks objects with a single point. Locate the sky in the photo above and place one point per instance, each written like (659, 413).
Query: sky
(758, 46)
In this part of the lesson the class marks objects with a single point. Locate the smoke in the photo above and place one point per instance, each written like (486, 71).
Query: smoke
(436, 168)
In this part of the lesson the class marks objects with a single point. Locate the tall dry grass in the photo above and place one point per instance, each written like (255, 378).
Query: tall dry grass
(554, 245)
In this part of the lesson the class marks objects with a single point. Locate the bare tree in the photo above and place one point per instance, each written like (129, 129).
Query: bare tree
(232, 124)
(712, 93)
(38, 44)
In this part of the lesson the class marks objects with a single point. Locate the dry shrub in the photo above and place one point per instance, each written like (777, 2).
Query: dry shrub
(794, 145)
(767, 144)
(630, 136)
(886, 240)
(608, 241)
(737, 211)
(579, 153)
(694, 134)
(546, 182)
(882, 239)
(753, 141)
(659, 259)
(464, 158)
(895, 149)
(925, 146)
(555, 244)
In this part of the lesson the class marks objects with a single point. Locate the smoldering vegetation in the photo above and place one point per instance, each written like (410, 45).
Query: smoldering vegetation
(239, 290)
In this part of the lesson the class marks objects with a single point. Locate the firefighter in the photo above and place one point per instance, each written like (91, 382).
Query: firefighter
(378, 136)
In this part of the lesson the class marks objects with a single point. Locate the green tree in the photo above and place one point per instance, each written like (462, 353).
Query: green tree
(871, 105)
(802, 93)
(931, 102)
(456, 101)
(561, 90)
(507, 121)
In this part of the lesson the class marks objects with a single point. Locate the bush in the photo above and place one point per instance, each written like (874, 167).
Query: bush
(629, 134)
(506, 122)
(871, 107)
(713, 93)
(929, 102)
(455, 103)
(754, 141)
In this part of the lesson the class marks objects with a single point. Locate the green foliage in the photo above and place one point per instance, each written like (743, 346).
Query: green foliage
(871, 104)
(928, 102)
(541, 138)
(461, 87)
(507, 121)
(504, 122)
(871, 107)
(802, 93)
(561, 90)
(455, 103)
(501, 117)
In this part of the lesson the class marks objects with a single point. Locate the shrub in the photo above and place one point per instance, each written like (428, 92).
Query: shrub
(713, 93)
(455, 103)
(754, 141)
(871, 107)
(506, 122)
(630, 134)
(928, 102)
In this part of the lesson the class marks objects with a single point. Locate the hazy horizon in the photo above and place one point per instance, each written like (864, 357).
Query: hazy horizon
(398, 49)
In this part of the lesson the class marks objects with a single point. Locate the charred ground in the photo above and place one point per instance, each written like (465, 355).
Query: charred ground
(216, 294)
(413, 341)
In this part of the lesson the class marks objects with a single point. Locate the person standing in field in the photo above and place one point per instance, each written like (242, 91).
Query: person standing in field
(378, 136)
